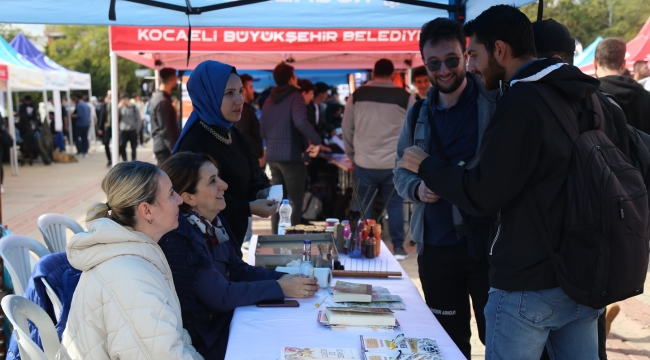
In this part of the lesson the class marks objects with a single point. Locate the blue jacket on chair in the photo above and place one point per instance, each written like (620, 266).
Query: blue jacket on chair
(63, 279)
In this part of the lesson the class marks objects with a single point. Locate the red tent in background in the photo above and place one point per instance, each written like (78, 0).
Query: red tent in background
(251, 49)
(637, 49)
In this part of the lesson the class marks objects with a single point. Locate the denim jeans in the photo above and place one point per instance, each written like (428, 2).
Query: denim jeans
(521, 323)
(369, 180)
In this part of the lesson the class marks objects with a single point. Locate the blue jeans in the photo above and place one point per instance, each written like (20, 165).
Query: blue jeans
(521, 323)
(369, 180)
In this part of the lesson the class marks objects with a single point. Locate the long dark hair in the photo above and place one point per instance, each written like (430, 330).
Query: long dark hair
(183, 169)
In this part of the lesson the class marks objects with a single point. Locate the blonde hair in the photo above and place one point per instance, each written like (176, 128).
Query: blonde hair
(126, 185)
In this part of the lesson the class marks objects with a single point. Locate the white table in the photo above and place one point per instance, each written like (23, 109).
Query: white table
(259, 333)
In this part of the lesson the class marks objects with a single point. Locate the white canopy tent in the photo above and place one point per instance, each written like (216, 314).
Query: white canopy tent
(266, 14)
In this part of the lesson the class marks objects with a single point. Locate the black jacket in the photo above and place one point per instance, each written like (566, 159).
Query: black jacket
(525, 150)
(249, 126)
(633, 98)
(237, 167)
(164, 129)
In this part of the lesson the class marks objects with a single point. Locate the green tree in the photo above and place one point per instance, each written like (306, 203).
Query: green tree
(8, 32)
(588, 19)
(86, 49)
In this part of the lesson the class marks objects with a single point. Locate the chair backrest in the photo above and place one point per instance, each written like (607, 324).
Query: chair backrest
(54, 298)
(18, 309)
(14, 250)
(53, 227)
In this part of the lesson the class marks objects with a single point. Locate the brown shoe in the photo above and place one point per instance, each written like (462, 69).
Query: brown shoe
(611, 312)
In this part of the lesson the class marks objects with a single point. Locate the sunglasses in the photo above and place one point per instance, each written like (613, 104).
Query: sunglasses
(450, 63)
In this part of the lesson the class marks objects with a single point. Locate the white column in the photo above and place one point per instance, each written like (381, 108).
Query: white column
(13, 153)
(67, 108)
(114, 111)
(157, 81)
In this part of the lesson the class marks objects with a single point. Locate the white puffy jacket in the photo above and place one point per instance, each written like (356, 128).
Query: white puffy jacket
(125, 306)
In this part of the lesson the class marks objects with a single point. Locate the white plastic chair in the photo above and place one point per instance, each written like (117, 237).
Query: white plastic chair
(18, 309)
(53, 227)
(14, 250)
(54, 298)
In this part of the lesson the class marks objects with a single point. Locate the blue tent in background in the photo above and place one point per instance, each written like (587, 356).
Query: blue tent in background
(587, 56)
(74, 80)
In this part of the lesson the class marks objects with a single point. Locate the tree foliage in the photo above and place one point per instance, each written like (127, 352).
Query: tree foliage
(86, 49)
(588, 19)
(9, 32)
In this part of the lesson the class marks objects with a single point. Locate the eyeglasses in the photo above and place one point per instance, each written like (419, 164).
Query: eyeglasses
(450, 63)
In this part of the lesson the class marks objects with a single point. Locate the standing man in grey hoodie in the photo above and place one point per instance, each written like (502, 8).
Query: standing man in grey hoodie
(372, 123)
(130, 124)
(284, 126)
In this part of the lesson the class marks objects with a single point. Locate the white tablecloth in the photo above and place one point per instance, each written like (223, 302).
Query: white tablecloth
(259, 333)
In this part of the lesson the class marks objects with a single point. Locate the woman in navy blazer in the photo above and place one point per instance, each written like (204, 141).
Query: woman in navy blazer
(211, 280)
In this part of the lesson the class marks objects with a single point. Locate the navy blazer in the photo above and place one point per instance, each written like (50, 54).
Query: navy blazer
(211, 281)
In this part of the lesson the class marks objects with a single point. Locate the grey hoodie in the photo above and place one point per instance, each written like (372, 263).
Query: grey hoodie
(406, 181)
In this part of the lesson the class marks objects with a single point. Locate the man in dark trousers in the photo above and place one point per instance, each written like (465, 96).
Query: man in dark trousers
(285, 126)
(450, 255)
(609, 63)
(249, 125)
(372, 123)
(520, 174)
(104, 128)
(164, 129)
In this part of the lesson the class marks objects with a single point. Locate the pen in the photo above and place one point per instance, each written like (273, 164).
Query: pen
(318, 304)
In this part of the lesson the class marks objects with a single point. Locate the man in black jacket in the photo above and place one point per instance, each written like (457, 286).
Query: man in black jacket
(249, 125)
(553, 39)
(164, 129)
(609, 63)
(519, 173)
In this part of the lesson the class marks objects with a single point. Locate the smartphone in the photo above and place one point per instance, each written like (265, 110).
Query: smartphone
(278, 303)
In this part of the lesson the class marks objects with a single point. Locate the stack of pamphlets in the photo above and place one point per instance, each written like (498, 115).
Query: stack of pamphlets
(306, 353)
(380, 298)
(323, 320)
(400, 347)
(347, 291)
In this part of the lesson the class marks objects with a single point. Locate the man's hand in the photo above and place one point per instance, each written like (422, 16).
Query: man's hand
(413, 157)
(313, 150)
(426, 195)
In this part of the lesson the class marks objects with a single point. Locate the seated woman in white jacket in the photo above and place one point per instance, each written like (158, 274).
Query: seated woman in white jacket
(125, 306)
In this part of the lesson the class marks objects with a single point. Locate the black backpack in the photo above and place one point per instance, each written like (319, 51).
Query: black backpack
(603, 254)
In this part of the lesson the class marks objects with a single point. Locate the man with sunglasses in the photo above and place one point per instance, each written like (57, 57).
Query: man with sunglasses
(449, 124)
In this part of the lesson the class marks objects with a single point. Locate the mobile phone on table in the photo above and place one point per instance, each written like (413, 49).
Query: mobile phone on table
(278, 303)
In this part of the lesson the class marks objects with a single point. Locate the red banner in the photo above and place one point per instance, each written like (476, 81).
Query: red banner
(4, 73)
(170, 39)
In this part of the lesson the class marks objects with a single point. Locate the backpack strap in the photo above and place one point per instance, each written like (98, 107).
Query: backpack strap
(563, 112)
(415, 115)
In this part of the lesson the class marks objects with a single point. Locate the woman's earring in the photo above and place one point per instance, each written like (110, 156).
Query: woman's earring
(150, 221)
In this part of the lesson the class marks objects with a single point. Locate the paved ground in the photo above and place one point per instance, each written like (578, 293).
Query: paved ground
(70, 188)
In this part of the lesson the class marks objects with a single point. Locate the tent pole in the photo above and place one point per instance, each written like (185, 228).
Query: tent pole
(71, 139)
(114, 111)
(45, 104)
(13, 154)
(157, 81)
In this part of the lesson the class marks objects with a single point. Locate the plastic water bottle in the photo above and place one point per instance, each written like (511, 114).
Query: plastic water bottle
(306, 268)
(285, 216)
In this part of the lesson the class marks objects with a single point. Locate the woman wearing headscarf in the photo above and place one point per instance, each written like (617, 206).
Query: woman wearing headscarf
(211, 280)
(217, 97)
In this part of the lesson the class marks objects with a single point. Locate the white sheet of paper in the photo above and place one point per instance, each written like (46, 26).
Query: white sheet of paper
(275, 193)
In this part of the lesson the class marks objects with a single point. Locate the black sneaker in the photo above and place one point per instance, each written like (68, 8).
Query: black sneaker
(400, 254)
(109, 164)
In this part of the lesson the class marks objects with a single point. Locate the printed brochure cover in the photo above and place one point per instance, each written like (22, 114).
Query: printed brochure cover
(309, 353)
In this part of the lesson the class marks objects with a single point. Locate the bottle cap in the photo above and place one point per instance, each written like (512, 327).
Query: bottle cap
(345, 222)
(307, 242)
(285, 201)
